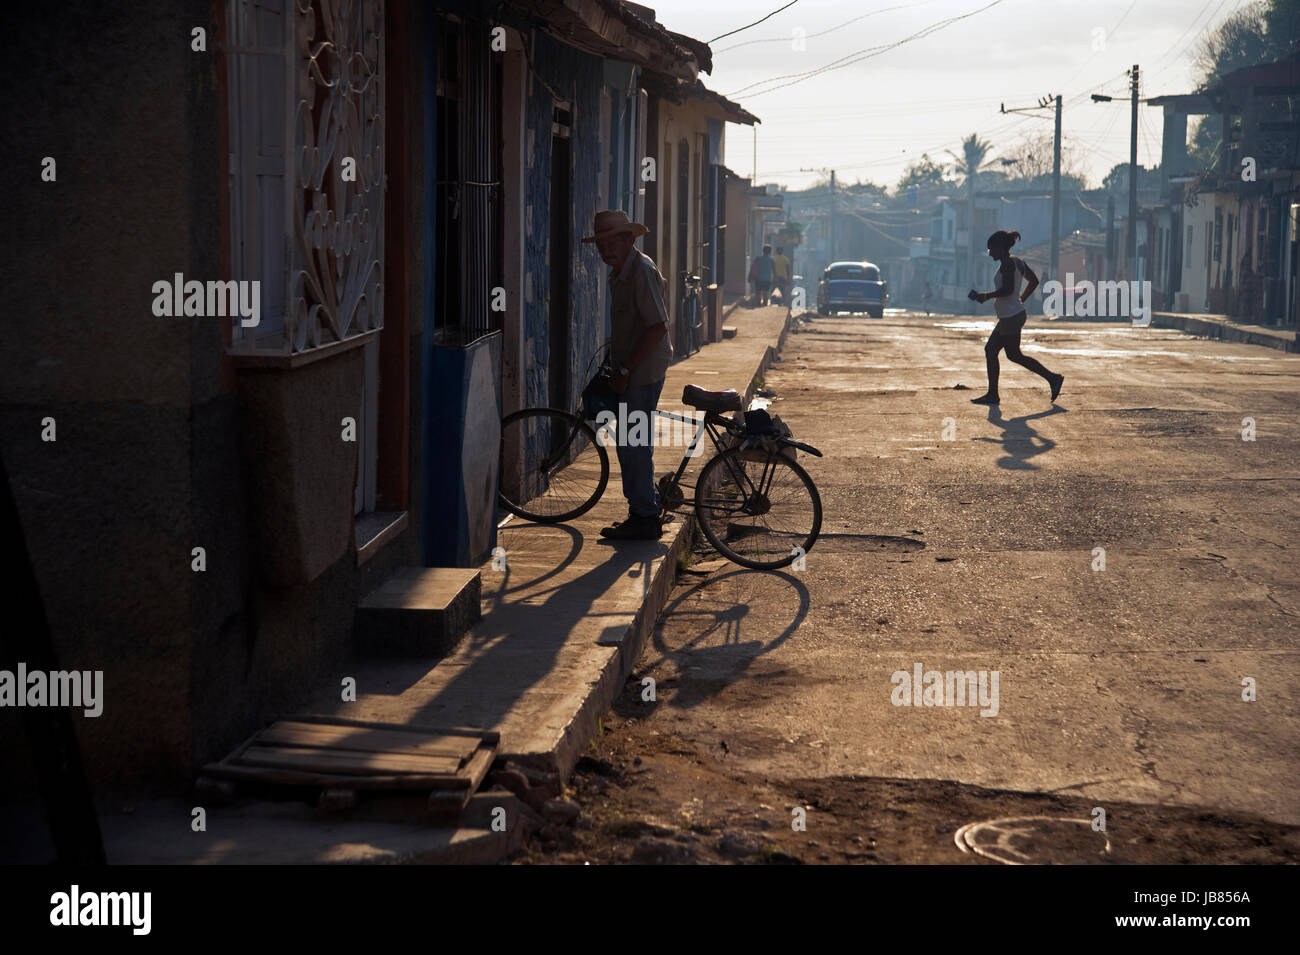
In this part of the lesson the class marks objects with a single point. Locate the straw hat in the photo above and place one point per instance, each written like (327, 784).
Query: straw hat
(613, 222)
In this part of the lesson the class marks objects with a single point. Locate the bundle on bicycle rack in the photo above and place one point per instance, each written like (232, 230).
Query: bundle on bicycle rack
(764, 430)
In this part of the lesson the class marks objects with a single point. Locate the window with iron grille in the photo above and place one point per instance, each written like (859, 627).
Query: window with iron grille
(305, 96)
(468, 228)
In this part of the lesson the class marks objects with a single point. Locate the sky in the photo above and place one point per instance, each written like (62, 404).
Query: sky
(870, 119)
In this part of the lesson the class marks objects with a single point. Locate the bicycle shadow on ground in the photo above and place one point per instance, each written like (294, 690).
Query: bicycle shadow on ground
(731, 620)
(516, 537)
(1019, 440)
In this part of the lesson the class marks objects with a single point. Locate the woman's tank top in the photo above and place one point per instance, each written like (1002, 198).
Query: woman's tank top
(1008, 305)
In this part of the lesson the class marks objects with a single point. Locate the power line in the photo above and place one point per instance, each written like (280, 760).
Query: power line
(1095, 52)
(1002, 130)
(786, 39)
(1161, 58)
(755, 23)
(1208, 25)
(859, 56)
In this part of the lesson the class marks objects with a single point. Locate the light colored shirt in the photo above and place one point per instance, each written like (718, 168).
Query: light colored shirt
(1007, 305)
(781, 267)
(637, 303)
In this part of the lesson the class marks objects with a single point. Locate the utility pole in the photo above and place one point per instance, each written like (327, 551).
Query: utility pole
(834, 202)
(1110, 234)
(1055, 264)
(1130, 235)
(1055, 272)
(1130, 246)
(970, 236)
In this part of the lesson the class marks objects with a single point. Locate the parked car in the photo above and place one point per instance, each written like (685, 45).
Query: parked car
(852, 287)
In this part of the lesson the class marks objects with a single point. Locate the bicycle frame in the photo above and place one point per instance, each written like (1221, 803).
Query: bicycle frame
(710, 423)
(716, 425)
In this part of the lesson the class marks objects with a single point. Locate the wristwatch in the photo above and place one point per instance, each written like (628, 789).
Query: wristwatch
(623, 372)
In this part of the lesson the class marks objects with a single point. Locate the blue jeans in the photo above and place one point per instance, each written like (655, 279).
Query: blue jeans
(636, 460)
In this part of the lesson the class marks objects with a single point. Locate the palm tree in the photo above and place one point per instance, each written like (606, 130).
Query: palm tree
(971, 162)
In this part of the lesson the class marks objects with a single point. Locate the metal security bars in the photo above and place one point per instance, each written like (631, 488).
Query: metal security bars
(306, 119)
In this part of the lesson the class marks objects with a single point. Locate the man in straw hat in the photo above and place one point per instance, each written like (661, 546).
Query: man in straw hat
(640, 351)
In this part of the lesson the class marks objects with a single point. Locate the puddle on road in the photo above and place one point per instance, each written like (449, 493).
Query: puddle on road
(1127, 353)
(987, 326)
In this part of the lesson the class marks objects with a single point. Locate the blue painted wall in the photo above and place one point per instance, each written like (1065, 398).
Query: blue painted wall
(577, 76)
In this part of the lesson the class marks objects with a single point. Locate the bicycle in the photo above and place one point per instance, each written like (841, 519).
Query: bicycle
(752, 479)
(689, 323)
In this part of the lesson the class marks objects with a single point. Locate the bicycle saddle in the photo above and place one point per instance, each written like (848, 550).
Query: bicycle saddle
(697, 397)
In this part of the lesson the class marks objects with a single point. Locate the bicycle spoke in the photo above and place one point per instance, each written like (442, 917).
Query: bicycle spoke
(757, 508)
(552, 468)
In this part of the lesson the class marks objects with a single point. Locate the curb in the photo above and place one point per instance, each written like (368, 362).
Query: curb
(606, 689)
(1217, 329)
(1226, 331)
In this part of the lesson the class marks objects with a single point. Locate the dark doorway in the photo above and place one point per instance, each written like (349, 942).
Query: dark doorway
(447, 225)
(561, 236)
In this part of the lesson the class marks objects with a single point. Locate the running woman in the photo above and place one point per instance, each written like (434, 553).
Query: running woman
(1010, 308)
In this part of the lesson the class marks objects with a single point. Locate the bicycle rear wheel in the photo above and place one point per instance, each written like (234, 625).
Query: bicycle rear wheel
(552, 467)
(758, 508)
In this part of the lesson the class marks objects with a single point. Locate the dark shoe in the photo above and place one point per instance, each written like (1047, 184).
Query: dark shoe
(1056, 381)
(985, 400)
(635, 529)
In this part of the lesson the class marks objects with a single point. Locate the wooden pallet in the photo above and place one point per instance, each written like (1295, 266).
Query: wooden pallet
(343, 757)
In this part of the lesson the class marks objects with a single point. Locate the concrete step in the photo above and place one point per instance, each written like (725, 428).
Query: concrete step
(417, 612)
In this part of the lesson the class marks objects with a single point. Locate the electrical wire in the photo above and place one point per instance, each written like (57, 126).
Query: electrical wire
(755, 23)
(858, 57)
(1118, 24)
(786, 39)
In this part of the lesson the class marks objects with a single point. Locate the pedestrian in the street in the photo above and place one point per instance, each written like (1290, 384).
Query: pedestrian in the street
(781, 274)
(927, 297)
(764, 272)
(1010, 308)
(640, 350)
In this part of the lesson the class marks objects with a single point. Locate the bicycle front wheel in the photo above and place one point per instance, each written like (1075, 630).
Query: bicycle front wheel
(552, 467)
(758, 508)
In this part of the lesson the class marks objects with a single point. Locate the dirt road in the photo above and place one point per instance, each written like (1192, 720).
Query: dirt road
(1123, 563)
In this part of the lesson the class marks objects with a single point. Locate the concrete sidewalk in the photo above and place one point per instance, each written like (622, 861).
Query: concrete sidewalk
(1224, 329)
(564, 624)
(562, 628)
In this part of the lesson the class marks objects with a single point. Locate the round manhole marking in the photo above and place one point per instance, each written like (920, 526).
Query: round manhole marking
(1035, 840)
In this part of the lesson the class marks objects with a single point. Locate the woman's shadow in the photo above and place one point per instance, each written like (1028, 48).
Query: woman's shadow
(1019, 440)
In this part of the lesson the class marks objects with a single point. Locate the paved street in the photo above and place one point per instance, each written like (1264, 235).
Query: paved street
(1118, 688)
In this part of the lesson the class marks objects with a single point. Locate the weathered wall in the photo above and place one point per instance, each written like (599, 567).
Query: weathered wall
(150, 459)
(578, 76)
(107, 508)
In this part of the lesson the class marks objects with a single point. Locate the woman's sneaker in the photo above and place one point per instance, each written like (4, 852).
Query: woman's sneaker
(1055, 382)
